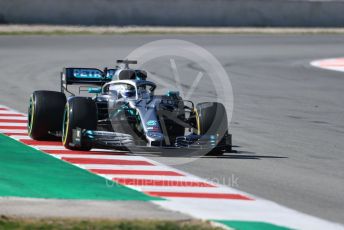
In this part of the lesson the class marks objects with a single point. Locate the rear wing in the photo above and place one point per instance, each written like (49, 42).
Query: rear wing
(93, 76)
(85, 76)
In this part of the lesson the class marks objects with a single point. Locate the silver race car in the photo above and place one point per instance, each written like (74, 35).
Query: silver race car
(125, 113)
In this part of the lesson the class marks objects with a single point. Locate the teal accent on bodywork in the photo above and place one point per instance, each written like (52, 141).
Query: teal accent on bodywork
(151, 123)
(95, 90)
(87, 73)
(213, 140)
(94, 74)
(132, 112)
(172, 93)
(89, 134)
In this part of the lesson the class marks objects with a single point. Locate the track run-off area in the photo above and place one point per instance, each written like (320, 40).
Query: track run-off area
(287, 131)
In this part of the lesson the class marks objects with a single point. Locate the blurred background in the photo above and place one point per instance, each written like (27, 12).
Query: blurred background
(248, 13)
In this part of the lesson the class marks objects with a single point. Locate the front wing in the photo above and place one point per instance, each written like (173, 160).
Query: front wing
(115, 140)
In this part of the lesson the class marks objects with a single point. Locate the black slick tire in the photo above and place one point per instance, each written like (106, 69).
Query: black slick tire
(45, 114)
(80, 112)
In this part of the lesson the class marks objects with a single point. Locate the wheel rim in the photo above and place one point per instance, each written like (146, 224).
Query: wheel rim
(198, 123)
(65, 125)
(31, 114)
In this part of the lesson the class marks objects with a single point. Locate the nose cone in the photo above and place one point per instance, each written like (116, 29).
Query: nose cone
(155, 138)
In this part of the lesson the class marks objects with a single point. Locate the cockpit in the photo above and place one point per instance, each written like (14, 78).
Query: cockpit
(127, 91)
(132, 90)
(145, 90)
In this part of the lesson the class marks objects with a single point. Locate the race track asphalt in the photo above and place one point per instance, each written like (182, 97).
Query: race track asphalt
(288, 120)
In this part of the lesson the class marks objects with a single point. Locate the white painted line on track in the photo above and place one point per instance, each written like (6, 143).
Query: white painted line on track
(149, 177)
(20, 137)
(48, 147)
(11, 112)
(17, 131)
(13, 118)
(121, 167)
(191, 189)
(13, 124)
(97, 156)
(335, 64)
(258, 210)
(5, 112)
(62, 148)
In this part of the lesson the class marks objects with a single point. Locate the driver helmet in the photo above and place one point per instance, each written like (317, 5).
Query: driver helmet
(128, 92)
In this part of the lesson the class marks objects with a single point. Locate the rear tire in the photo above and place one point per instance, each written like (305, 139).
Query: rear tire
(80, 112)
(212, 119)
(45, 113)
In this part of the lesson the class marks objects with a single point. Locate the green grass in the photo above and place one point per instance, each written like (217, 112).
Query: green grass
(76, 224)
(27, 172)
(250, 225)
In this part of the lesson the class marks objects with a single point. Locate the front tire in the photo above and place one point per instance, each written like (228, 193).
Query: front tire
(211, 119)
(80, 112)
(45, 114)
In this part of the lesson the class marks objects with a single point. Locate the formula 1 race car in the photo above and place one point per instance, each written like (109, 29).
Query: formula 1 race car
(124, 113)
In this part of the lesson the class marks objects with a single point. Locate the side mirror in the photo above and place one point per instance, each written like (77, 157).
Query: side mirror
(95, 90)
